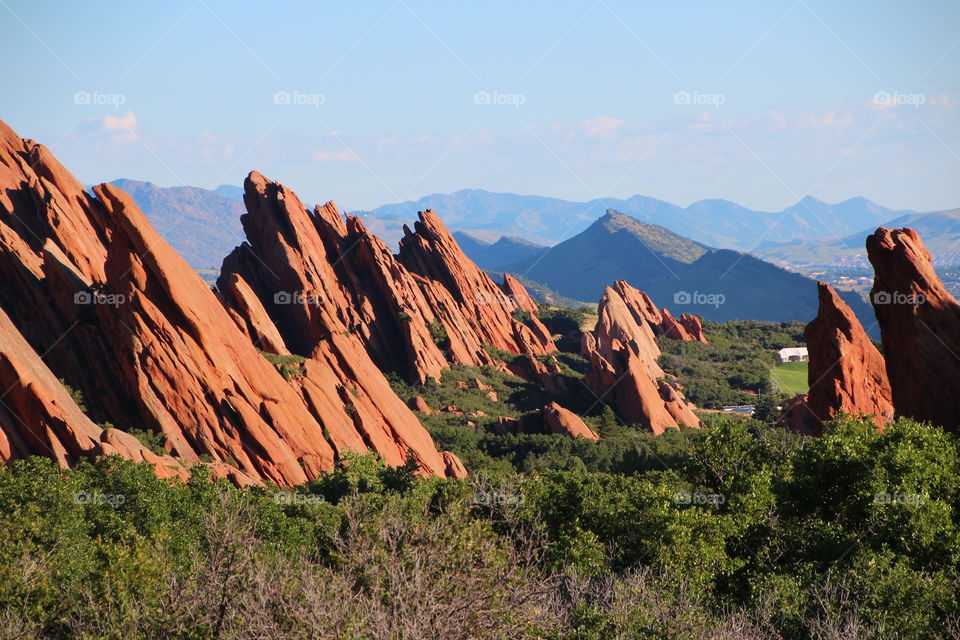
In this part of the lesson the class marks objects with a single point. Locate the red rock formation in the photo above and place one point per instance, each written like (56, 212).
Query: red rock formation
(920, 327)
(431, 252)
(562, 421)
(660, 321)
(453, 468)
(798, 418)
(507, 424)
(517, 293)
(249, 315)
(623, 354)
(693, 326)
(846, 372)
(545, 372)
(38, 415)
(151, 346)
(408, 321)
(420, 405)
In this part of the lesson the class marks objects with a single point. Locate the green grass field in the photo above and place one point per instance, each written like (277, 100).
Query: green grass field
(791, 376)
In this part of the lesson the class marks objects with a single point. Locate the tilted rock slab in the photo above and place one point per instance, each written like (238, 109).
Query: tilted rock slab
(299, 262)
(920, 328)
(120, 316)
(623, 353)
(559, 420)
(688, 328)
(846, 372)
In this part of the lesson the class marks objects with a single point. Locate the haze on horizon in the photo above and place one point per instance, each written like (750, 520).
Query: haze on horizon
(389, 101)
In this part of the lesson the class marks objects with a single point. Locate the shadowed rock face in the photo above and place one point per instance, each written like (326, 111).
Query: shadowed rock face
(37, 414)
(920, 328)
(121, 317)
(846, 371)
(623, 353)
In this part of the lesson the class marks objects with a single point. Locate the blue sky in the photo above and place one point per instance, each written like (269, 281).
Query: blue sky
(374, 102)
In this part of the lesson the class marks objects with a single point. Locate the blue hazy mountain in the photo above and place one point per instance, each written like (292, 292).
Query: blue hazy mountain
(548, 221)
(202, 225)
(940, 231)
(677, 272)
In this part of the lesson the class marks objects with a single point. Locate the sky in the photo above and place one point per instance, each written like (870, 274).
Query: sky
(367, 103)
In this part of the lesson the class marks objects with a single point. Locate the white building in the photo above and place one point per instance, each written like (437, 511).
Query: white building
(793, 354)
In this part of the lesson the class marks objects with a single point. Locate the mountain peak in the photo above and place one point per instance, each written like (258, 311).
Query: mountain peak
(809, 201)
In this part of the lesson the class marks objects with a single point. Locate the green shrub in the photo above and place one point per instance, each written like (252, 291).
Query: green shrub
(438, 333)
(289, 366)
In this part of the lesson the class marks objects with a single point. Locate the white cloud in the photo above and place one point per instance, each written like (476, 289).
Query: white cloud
(122, 128)
(126, 122)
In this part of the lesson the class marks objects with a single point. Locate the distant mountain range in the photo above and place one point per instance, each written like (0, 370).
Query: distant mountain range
(506, 222)
(940, 231)
(656, 246)
(718, 223)
(687, 276)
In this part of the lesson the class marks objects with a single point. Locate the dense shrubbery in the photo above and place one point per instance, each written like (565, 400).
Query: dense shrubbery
(473, 436)
(739, 533)
(565, 323)
(735, 531)
(735, 366)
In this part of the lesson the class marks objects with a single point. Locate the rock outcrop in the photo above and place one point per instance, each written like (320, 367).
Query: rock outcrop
(688, 328)
(431, 252)
(846, 372)
(306, 265)
(250, 316)
(453, 467)
(39, 416)
(544, 371)
(512, 288)
(798, 418)
(623, 353)
(507, 424)
(418, 404)
(557, 419)
(920, 328)
(121, 317)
